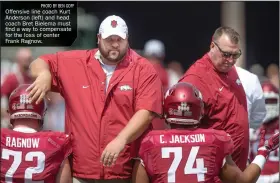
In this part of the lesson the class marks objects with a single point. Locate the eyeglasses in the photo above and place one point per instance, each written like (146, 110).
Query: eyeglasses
(228, 54)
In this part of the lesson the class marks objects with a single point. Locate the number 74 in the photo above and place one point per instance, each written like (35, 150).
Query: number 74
(200, 170)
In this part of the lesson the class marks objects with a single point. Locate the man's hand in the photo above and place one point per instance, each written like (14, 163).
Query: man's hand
(266, 146)
(112, 151)
(39, 88)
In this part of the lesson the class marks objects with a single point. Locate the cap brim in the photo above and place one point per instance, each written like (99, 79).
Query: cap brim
(106, 35)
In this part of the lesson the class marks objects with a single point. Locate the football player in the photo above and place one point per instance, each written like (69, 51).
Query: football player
(270, 172)
(27, 153)
(187, 153)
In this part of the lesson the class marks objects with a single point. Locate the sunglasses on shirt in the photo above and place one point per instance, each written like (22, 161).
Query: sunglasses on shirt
(228, 54)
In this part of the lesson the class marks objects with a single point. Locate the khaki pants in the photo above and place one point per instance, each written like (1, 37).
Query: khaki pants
(78, 180)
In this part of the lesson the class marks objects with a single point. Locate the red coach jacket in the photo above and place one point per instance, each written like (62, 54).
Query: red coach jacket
(94, 116)
(225, 104)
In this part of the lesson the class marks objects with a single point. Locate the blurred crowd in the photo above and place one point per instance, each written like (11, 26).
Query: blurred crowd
(15, 71)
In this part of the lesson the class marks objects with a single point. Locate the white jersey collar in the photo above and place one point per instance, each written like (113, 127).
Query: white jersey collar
(24, 129)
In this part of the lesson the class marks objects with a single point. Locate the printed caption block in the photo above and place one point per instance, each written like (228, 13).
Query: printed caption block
(49, 23)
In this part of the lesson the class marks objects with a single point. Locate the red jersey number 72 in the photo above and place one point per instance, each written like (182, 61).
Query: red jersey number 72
(17, 160)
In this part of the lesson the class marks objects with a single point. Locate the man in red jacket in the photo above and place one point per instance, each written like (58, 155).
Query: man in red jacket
(111, 96)
(222, 91)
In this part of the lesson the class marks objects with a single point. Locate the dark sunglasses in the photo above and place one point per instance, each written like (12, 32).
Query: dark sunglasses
(228, 54)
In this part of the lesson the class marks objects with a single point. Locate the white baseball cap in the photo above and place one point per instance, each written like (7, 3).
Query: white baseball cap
(113, 25)
(154, 48)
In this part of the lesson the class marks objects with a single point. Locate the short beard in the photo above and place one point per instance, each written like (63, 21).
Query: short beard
(105, 54)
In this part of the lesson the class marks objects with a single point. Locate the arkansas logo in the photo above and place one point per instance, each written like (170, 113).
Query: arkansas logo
(114, 23)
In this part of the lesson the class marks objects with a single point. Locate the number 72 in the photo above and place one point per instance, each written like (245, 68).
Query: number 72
(6, 153)
(200, 170)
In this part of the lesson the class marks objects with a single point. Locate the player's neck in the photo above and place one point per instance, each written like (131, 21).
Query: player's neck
(24, 129)
(30, 125)
(183, 127)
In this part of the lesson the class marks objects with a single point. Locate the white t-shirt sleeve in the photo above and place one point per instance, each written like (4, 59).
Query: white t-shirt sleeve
(258, 111)
(254, 96)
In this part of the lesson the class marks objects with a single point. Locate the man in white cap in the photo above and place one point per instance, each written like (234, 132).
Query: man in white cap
(113, 28)
(111, 96)
(154, 51)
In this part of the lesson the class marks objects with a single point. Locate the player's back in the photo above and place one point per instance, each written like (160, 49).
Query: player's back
(184, 155)
(32, 156)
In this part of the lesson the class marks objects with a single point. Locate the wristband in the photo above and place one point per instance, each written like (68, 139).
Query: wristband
(260, 161)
